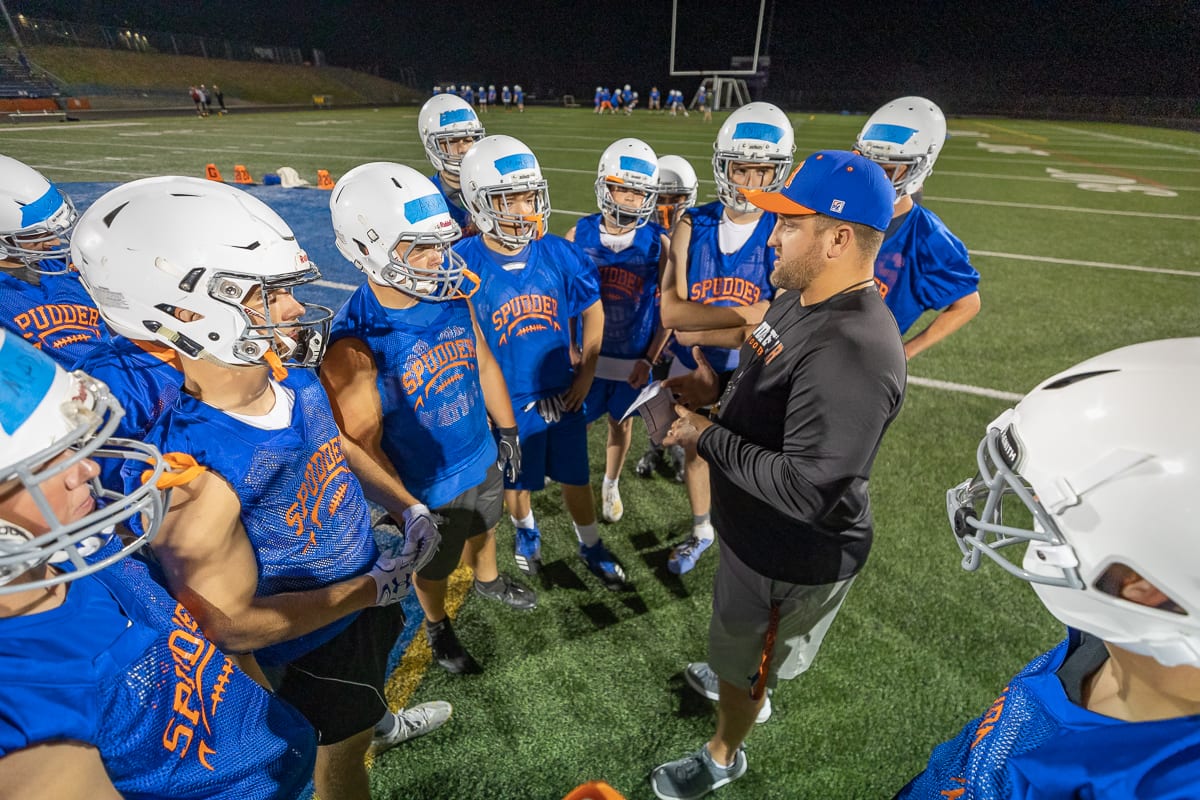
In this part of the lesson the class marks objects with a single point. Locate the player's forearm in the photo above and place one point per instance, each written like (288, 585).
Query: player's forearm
(269, 620)
(593, 337)
(685, 315)
(658, 343)
(496, 399)
(956, 315)
(731, 338)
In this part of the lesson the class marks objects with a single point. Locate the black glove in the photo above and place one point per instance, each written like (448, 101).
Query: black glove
(509, 461)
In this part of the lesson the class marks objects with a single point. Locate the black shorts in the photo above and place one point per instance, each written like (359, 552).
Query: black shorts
(339, 686)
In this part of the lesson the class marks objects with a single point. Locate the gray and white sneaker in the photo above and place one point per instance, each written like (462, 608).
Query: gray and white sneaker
(695, 775)
(397, 727)
(704, 681)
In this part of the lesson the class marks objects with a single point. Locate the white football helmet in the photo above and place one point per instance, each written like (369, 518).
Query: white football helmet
(35, 218)
(174, 259)
(631, 164)
(756, 133)
(675, 177)
(907, 132)
(1099, 468)
(44, 412)
(381, 211)
(494, 168)
(443, 118)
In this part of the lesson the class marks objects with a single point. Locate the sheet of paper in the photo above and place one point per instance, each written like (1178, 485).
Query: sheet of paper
(657, 409)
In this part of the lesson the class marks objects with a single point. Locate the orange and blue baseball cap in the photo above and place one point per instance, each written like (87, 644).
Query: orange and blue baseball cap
(836, 183)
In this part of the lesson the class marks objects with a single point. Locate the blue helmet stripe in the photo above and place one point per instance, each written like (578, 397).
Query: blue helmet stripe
(425, 207)
(896, 134)
(515, 162)
(41, 209)
(456, 115)
(25, 377)
(758, 130)
(634, 164)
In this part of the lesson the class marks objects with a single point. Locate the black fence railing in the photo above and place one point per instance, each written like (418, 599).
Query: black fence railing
(56, 32)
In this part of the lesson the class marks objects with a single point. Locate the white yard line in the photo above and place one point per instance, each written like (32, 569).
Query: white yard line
(1178, 148)
(1059, 181)
(1074, 209)
(1079, 263)
(963, 388)
(1047, 161)
(59, 126)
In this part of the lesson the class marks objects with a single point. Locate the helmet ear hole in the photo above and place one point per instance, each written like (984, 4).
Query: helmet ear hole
(362, 248)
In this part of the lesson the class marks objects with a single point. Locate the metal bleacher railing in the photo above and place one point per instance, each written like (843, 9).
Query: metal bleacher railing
(56, 32)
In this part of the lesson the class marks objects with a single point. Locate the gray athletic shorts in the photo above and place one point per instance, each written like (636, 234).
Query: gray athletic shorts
(741, 610)
(473, 512)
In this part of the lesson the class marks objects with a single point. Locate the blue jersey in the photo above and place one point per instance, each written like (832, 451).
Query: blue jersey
(453, 203)
(506, 95)
(628, 287)
(524, 312)
(146, 380)
(56, 316)
(922, 266)
(435, 428)
(725, 279)
(124, 668)
(520, 96)
(491, 96)
(1035, 743)
(654, 94)
(303, 510)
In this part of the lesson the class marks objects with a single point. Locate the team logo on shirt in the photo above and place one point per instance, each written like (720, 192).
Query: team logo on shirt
(618, 284)
(732, 289)
(320, 489)
(526, 314)
(200, 685)
(57, 325)
(433, 370)
(765, 342)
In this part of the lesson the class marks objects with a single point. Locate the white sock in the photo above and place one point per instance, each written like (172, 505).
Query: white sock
(611, 483)
(703, 530)
(524, 523)
(588, 534)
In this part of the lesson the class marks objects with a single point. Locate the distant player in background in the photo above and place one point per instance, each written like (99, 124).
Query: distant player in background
(677, 105)
(483, 100)
(677, 191)
(412, 383)
(703, 103)
(596, 101)
(627, 99)
(41, 299)
(107, 686)
(717, 282)
(531, 285)
(630, 253)
(519, 94)
(468, 95)
(1103, 459)
(922, 266)
(654, 103)
(274, 560)
(606, 100)
(506, 98)
(448, 127)
(491, 95)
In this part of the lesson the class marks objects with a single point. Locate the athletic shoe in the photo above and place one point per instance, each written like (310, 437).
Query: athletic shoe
(704, 681)
(603, 565)
(507, 591)
(678, 457)
(408, 723)
(528, 550)
(695, 775)
(611, 506)
(448, 651)
(649, 461)
(684, 557)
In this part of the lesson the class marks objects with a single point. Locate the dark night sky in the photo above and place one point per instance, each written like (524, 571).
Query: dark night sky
(1140, 47)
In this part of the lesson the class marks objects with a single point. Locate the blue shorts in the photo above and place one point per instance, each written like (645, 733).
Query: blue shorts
(558, 451)
(608, 396)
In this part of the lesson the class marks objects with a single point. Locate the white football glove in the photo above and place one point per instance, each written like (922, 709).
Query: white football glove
(401, 556)
(551, 408)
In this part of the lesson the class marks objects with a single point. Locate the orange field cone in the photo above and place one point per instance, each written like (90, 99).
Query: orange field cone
(241, 174)
(213, 174)
(323, 179)
(594, 790)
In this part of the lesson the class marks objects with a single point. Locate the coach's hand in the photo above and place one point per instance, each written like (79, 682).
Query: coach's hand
(686, 430)
(509, 460)
(697, 388)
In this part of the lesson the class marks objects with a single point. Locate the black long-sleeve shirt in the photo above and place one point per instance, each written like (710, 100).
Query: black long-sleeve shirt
(797, 432)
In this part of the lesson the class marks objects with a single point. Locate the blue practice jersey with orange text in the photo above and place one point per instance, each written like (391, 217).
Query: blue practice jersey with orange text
(628, 286)
(1035, 743)
(524, 311)
(303, 510)
(124, 668)
(435, 428)
(57, 316)
(714, 278)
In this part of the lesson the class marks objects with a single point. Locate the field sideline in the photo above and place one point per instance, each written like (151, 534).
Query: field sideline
(1086, 238)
